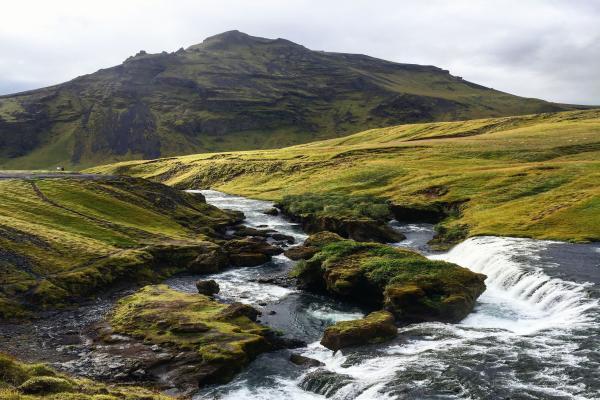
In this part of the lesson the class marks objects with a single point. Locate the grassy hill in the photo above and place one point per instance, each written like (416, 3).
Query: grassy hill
(535, 175)
(64, 238)
(232, 92)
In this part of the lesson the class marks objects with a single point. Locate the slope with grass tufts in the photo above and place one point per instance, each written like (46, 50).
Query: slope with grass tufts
(63, 238)
(534, 176)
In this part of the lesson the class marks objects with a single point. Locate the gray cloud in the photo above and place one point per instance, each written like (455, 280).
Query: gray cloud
(548, 49)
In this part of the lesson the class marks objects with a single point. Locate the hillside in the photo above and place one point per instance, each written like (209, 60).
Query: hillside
(535, 175)
(64, 238)
(232, 92)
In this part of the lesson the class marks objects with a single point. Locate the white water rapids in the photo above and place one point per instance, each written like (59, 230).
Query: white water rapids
(533, 334)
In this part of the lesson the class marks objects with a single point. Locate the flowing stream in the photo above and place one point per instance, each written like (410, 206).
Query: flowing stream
(534, 334)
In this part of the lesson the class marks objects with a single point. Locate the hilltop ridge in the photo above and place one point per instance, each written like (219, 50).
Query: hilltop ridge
(231, 92)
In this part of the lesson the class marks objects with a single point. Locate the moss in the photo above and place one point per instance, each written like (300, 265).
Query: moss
(376, 327)
(224, 336)
(44, 385)
(406, 283)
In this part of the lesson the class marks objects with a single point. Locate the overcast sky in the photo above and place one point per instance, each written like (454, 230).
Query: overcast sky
(547, 49)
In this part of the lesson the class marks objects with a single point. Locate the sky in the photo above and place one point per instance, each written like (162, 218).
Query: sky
(547, 49)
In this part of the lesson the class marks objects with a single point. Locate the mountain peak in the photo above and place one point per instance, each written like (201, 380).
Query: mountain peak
(235, 38)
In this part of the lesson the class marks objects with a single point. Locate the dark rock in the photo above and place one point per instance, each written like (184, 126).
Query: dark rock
(250, 252)
(203, 257)
(272, 312)
(305, 361)
(243, 231)
(207, 287)
(301, 252)
(361, 230)
(271, 211)
(281, 237)
(374, 328)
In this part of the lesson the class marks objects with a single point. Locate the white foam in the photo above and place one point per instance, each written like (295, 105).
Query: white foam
(519, 297)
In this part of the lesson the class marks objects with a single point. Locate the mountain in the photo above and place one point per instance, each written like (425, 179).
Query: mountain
(232, 92)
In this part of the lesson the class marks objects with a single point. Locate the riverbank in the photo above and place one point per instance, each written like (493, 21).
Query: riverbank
(473, 357)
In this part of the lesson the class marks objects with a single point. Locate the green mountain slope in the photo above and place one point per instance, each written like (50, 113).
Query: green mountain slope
(232, 92)
(535, 175)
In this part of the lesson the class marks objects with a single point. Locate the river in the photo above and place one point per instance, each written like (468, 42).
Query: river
(534, 334)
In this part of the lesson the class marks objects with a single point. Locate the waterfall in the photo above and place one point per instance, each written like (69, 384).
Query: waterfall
(515, 273)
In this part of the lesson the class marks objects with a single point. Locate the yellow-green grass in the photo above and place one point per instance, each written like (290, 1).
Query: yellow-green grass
(22, 381)
(63, 238)
(533, 176)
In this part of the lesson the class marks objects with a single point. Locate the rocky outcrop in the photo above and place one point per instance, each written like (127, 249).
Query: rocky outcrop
(410, 286)
(303, 361)
(207, 287)
(374, 328)
(249, 252)
(180, 340)
(361, 230)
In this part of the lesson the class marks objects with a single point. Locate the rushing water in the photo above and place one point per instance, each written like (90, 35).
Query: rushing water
(534, 334)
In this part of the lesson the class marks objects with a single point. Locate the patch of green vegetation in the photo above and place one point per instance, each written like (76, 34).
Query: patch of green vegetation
(531, 176)
(336, 205)
(62, 239)
(22, 381)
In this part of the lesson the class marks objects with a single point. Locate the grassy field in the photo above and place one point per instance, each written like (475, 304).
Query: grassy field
(64, 238)
(533, 176)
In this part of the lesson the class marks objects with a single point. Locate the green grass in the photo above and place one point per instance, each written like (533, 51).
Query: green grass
(62, 239)
(531, 176)
(335, 205)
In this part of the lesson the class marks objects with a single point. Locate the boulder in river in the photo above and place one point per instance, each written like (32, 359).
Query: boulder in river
(271, 211)
(207, 287)
(374, 328)
(303, 361)
(410, 286)
(250, 252)
(301, 252)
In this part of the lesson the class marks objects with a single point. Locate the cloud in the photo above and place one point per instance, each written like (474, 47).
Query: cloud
(539, 48)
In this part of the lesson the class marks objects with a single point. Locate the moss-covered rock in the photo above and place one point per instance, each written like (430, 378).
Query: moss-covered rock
(374, 328)
(361, 218)
(42, 385)
(407, 284)
(209, 341)
(22, 381)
